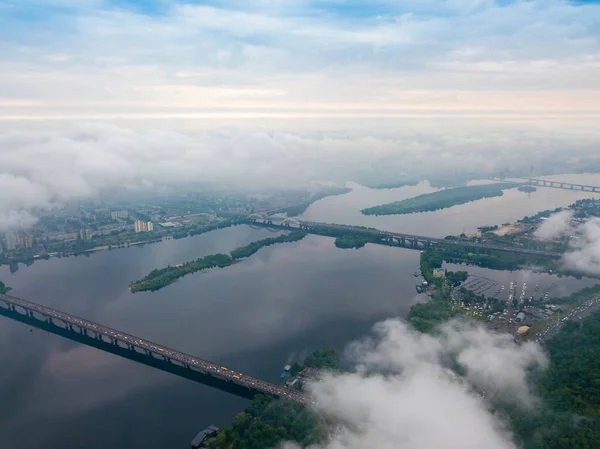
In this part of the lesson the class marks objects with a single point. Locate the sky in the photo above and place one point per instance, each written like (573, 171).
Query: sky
(99, 95)
(103, 59)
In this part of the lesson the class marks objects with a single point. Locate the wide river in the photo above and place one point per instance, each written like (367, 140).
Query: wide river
(513, 205)
(255, 316)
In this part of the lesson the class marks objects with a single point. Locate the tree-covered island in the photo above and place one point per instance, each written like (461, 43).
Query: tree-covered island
(158, 279)
(440, 200)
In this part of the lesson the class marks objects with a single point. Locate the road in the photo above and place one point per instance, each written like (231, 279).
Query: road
(587, 308)
(159, 350)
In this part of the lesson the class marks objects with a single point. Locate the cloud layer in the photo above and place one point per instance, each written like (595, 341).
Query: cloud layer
(109, 58)
(403, 393)
(584, 251)
(555, 226)
(46, 169)
(584, 255)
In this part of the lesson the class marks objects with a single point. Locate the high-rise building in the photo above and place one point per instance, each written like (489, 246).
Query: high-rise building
(143, 226)
(27, 241)
(85, 234)
(119, 214)
(11, 241)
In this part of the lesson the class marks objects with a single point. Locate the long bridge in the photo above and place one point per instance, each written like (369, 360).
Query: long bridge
(141, 350)
(562, 185)
(393, 238)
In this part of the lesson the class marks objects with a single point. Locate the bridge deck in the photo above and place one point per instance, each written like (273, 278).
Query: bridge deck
(420, 238)
(161, 351)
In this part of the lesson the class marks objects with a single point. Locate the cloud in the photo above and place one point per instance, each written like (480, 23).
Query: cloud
(555, 226)
(45, 169)
(403, 393)
(321, 57)
(584, 255)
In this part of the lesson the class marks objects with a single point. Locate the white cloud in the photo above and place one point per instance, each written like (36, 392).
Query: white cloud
(45, 169)
(404, 395)
(312, 56)
(555, 226)
(584, 255)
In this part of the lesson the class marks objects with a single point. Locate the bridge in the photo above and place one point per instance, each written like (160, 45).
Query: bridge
(393, 238)
(143, 351)
(562, 185)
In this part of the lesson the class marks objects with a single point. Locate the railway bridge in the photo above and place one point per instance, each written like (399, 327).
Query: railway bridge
(140, 350)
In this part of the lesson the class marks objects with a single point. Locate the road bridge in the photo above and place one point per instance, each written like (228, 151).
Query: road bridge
(562, 185)
(140, 350)
(400, 239)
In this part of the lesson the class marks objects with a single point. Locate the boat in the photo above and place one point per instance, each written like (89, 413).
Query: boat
(286, 370)
(419, 289)
(416, 274)
(428, 292)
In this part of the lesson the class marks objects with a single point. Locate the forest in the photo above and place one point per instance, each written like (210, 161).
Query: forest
(267, 422)
(569, 415)
(440, 200)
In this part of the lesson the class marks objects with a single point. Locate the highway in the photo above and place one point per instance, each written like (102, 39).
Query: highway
(168, 354)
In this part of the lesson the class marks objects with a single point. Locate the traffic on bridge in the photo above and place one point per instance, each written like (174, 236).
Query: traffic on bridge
(151, 349)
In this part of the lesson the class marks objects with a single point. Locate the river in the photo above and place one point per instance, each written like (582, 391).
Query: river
(254, 316)
(512, 206)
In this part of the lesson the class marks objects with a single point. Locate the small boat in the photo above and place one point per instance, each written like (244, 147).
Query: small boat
(416, 274)
(428, 292)
(419, 289)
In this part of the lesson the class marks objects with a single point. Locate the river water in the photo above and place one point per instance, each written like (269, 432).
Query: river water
(513, 205)
(255, 316)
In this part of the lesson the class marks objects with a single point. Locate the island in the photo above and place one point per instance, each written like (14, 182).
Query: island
(440, 200)
(158, 279)
(527, 189)
(353, 241)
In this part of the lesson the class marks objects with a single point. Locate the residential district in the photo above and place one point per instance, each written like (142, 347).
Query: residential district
(89, 226)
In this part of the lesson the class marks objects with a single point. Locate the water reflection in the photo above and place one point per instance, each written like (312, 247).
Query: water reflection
(513, 205)
(255, 316)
